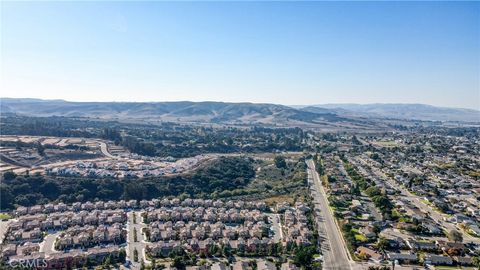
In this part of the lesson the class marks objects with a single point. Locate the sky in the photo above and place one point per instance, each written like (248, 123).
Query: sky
(292, 53)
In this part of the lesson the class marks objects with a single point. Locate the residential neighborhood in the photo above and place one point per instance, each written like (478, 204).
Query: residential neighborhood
(405, 199)
(86, 234)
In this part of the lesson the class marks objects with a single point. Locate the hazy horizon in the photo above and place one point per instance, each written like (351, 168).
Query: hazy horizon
(290, 53)
(200, 101)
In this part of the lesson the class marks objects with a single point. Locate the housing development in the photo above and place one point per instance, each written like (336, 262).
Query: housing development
(399, 199)
(239, 135)
(404, 198)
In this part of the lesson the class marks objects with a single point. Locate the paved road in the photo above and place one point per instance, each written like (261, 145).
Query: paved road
(4, 229)
(104, 149)
(276, 227)
(47, 245)
(139, 245)
(332, 243)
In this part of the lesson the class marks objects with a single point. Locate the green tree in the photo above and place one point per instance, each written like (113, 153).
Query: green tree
(9, 175)
(280, 162)
(135, 255)
(178, 262)
(40, 149)
(476, 262)
(455, 236)
(135, 237)
(154, 263)
(304, 256)
(382, 244)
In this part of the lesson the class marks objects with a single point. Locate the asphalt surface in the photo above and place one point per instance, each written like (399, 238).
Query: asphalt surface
(276, 227)
(4, 229)
(104, 149)
(48, 245)
(140, 244)
(333, 247)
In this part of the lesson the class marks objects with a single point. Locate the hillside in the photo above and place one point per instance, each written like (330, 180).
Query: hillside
(330, 116)
(185, 111)
(398, 111)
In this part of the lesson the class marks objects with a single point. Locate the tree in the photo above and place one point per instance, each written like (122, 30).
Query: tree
(9, 175)
(476, 262)
(107, 261)
(135, 237)
(40, 149)
(6, 197)
(178, 262)
(280, 162)
(135, 255)
(455, 236)
(154, 263)
(382, 244)
(304, 256)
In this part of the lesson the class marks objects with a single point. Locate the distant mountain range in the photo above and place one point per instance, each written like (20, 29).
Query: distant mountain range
(183, 111)
(398, 111)
(237, 113)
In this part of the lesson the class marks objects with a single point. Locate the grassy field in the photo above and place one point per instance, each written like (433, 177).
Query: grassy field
(359, 237)
(385, 143)
(4, 216)
(272, 201)
(453, 267)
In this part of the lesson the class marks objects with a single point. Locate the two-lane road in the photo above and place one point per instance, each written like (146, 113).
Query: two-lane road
(104, 149)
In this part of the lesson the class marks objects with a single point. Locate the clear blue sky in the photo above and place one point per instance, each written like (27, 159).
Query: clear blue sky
(278, 52)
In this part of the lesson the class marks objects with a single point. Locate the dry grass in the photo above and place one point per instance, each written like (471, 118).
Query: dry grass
(272, 201)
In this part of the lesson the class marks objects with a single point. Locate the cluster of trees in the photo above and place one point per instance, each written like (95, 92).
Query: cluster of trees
(303, 256)
(226, 173)
(380, 199)
(349, 233)
(476, 261)
(180, 258)
(185, 141)
(165, 139)
(383, 267)
(41, 147)
(349, 236)
(378, 196)
(110, 260)
(319, 165)
(112, 134)
(138, 146)
(271, 181)
(46, 126)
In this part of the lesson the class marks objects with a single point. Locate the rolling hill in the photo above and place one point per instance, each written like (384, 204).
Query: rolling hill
(333, 115)
(184, 111)
(398, 111)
